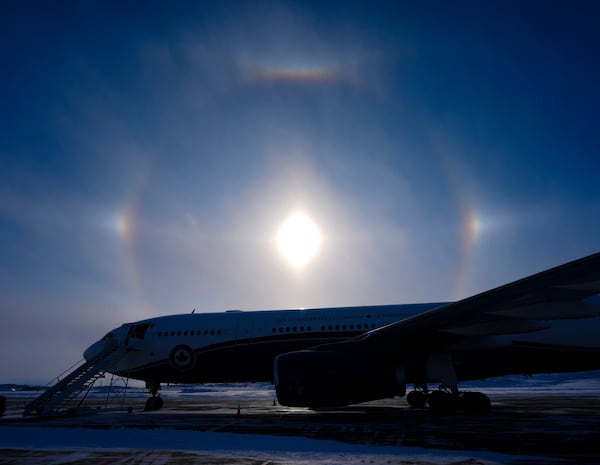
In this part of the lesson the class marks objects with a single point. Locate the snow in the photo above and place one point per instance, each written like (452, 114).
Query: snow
(563, 384)
(291, 450)
(584, 383)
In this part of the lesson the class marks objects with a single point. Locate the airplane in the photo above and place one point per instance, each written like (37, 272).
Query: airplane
(330, 357)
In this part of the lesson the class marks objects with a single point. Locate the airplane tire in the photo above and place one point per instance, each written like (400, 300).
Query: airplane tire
(154, 403)
(416, 399)
(475, 403)
(442, 403)
(150, 403)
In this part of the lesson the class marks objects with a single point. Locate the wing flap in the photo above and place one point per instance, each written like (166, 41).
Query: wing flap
(496, 328)
(561, 310)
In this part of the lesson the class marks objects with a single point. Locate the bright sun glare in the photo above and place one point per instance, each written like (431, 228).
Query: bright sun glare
(298, 239)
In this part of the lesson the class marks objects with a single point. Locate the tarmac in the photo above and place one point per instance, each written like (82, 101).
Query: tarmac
(533, 429)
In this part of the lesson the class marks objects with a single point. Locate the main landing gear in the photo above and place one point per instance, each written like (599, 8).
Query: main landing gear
(449, 401)
(155, 402)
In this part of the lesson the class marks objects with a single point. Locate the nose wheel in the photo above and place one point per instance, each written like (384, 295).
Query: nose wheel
(155, 402)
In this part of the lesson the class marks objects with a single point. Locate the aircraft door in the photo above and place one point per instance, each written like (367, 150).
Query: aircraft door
(135, 339)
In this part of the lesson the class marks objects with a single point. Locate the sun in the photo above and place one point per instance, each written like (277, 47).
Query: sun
(298, 239)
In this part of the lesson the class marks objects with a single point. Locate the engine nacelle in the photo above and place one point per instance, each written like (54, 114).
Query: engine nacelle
(314, 378)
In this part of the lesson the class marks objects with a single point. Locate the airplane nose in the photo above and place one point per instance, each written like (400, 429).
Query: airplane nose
(94, 350)
(113, 339)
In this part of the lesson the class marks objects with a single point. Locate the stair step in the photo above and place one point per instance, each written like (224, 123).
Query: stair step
(75, 383)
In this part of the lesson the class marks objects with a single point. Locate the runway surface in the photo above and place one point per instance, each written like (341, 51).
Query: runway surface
(523, 428)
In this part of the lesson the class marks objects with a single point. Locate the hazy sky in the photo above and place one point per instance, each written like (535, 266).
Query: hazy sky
(149, 152)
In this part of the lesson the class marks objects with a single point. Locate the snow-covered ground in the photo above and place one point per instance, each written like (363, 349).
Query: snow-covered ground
(279, 449)
(571, 384)
(583, 383)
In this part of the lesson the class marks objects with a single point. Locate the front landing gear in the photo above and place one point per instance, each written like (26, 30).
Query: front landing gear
(155, 402)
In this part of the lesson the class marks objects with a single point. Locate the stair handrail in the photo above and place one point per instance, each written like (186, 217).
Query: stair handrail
(111, 350)
(54, 381)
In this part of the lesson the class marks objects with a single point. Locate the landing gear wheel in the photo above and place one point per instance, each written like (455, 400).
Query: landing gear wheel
(154, 403)
(442, 402)
(416, 399)
(475, 403)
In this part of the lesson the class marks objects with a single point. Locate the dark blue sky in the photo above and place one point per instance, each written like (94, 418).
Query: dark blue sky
(150, 152)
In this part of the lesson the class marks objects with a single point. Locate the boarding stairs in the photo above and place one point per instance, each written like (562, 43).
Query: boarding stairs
(79, 380)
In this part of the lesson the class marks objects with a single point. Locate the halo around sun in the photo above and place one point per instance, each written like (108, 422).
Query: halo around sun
(298, 239)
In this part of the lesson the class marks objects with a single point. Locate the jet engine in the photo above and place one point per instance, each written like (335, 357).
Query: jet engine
(318, 378)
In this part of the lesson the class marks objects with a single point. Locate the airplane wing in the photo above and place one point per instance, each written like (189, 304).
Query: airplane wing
(422, 349)
(517, 307)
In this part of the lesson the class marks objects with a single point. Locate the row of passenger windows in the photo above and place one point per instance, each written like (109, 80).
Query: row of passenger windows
(193, 332)
(287, 329)
(295, 329)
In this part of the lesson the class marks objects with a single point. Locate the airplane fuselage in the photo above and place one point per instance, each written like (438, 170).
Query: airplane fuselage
(238, 346)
